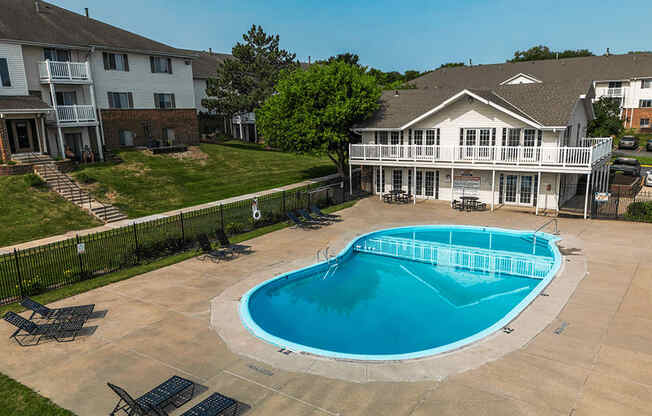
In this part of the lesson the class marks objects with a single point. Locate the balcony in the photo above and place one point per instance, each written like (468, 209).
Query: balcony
(467, 156)
(73, 115)
(64, 72)
(615, 92)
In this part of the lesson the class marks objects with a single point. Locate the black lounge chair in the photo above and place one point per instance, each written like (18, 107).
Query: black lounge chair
(209, 252)
(315, 210)
(226, 244)
(298, 223)
(81, 311)
(62, 331)
(213, 405)
(309, 218)
(175, 390)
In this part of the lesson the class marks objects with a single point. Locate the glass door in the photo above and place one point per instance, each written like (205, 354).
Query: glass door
(430, 183)
(511, 187)
(419, 183)
(525, 190)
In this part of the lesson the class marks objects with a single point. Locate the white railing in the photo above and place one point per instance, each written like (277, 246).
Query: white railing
(615, 92)
(76, 113)
(64, 71)
(451, 255)
(582, 156)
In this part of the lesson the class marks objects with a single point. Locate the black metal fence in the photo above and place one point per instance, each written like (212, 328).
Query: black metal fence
(38, 269)
(632, 206)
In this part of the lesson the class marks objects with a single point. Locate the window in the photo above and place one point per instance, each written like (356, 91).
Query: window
(52, 54)
(646, 83)
(382, 137)
(514, 137)
(645, 103)
(395, 137)
(645, 122)
(126, 138)
(159, 64)
(484, 137)
(397, 179)
(115, 61)
(529, 137)
(379, 187)
(66, 97)
(418, 137)
(4, 73)
(120, 100)
(164, 100)
(430, 137)
(615, 84)
(168, 135)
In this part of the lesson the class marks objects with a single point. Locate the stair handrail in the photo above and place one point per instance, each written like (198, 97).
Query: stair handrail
(553, 220)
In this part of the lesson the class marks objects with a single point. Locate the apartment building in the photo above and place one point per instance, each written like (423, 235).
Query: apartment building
(72, 84)
(634, 95)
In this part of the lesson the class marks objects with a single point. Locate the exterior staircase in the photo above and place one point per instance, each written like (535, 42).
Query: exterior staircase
(32, 158)
(65, 186)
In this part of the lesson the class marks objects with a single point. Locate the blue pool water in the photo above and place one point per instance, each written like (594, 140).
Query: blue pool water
(404, 293)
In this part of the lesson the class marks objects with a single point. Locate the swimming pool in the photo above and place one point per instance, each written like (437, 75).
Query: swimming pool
(404, 293)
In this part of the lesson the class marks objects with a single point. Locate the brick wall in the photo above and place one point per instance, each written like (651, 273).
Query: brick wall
(183, 121)
(5, 150)
(637, 115)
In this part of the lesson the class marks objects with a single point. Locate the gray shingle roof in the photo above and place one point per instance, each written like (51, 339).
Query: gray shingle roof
(205, 63)
(19, 21)
(549, 103)
(23, 102)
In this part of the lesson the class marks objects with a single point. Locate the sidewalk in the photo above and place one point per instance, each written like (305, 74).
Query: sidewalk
(130, 221)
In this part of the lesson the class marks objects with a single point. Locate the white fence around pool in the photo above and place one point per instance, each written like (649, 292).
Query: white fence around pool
(442, 254)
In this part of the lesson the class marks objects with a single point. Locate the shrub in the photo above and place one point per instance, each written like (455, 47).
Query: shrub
(11, 162)
(31, 287)
(639, 211)
(233, 228)
(34, 180)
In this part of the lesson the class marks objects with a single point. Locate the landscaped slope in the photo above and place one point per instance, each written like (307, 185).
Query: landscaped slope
(30, 213)
(146, 184)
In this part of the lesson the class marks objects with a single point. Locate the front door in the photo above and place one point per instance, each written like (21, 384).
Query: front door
(23, 135)
(518, 189)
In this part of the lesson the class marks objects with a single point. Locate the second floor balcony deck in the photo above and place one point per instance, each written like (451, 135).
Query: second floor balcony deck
(73, 115)
(592, 151)
(64, 72)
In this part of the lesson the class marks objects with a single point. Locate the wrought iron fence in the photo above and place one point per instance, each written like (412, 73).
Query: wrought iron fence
(39, 269)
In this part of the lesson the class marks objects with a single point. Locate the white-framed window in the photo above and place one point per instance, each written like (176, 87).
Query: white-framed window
(120, 99)
(159, 64)
(396, 137)
(513, 137)
(431, 137)
(66, 97)
(418, 137)
(115, 61)
(645, 122)
(52, 54)
(383, 137)
(164, 100)
(615, 84)
(484, 137)
(5, 81)
(397, 179)
(646, 83)
(645, 103)
(126, 138)
(529, 137)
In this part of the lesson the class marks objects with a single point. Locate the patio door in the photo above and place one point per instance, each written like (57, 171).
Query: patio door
(510, 189)
(397, 179)
(427, 184)
(518, 189)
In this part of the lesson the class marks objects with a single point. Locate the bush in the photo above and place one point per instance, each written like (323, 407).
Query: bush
(233, 228)
(34, 180)
(639, 211)
(11, 162)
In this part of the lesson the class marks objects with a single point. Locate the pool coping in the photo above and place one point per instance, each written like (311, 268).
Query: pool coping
(527, 322)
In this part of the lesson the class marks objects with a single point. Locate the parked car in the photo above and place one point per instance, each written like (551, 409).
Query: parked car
(628, 142)
(648, 178)
(626, 165)
(648, 146)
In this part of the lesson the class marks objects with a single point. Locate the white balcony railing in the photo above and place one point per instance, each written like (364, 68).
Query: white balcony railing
(64, 71)
(70, 114)
(595, 150)
(615, 92)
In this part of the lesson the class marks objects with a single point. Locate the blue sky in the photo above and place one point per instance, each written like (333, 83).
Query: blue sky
(389, 35)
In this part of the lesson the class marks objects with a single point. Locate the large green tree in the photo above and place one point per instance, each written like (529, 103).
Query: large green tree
(541, 52)
(607, 120)
(243, 82)
(314, 110)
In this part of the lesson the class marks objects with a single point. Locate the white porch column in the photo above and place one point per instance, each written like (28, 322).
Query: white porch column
(99, 143)
(586, 196)
(414, 179)
(62, 149)
(493, 188)
(380, 185)
(241, 134)
(350, 177)
(44, 145)
(452, 183)
(536, 208)
(606, 179)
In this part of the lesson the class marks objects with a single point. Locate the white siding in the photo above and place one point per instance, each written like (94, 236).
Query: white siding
(578, 121)
(199, 85)
(521, 80)
(142, 83)
(14, 56)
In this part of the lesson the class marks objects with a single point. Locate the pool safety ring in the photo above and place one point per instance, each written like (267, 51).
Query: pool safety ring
(254, 209)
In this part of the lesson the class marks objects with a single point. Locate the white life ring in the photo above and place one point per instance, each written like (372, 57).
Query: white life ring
(256, 215)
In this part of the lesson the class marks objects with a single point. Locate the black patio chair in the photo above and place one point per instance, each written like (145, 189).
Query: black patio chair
(300, 224)
(388, 198)
(226, 244)
(309, 218)
(455, 204)
(58, 314)
(214, 405)
(175, 390)
(315, 210)
(62, 331)
(208, 252)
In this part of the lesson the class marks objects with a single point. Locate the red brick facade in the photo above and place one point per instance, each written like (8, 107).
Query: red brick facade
(5, 150)
(182, 121)
(634, 117)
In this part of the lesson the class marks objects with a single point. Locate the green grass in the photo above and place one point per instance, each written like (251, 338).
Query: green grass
(18, 400)
(30, 212)
(145, 184)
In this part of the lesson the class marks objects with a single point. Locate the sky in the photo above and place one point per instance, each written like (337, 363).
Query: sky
(388, 35)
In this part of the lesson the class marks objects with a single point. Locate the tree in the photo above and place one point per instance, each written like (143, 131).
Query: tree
(451, 65)
(607, 120)
(314, 110)
(541, 52)
(349, 58)
(243, 82)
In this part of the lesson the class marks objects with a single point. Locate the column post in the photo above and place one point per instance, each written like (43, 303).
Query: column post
(536, 208)
(62, 149)
(350, 177)
(493, 188)
(414, 180)
(44, 145)
(586, 196)
(452, 182)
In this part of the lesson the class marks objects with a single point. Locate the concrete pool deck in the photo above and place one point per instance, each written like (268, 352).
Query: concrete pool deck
(158, 324)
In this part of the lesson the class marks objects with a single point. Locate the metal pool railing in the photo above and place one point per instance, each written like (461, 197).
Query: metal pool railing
(478, 259)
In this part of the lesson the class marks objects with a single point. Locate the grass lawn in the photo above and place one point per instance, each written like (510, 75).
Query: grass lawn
(17, 399)
(29, 213)
(145, 184)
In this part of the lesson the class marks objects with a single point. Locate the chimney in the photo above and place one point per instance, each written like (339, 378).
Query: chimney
(86, 11)
(36, 6)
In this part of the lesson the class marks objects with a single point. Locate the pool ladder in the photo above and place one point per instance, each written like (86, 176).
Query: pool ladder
(332, 268)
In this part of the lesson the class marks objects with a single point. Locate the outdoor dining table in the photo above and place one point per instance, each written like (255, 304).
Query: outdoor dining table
(468, 202)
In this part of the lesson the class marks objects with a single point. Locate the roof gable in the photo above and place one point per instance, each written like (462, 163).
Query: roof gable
(521, 78)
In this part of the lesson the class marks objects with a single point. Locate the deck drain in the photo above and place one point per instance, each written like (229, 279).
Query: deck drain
(561, 328)
(260, 370)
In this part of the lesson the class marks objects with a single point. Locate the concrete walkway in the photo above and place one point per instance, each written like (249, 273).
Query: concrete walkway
(157, 324)
(126, 222)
